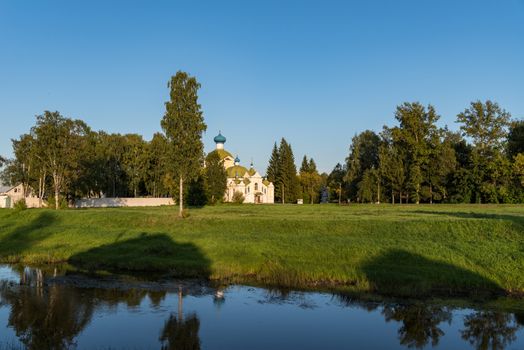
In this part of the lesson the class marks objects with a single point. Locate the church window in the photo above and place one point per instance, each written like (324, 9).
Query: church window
(256, 187)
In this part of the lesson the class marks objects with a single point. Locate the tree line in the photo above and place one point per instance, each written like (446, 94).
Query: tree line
(415, 161)
(61, 159)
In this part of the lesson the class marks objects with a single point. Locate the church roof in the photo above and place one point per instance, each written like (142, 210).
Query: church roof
(222, 153)
(236, 170)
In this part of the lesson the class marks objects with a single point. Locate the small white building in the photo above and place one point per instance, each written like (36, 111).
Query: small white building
(249, 182)
(9, 195)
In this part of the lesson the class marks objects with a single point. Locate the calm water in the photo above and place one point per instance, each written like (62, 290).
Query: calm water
(40, 314)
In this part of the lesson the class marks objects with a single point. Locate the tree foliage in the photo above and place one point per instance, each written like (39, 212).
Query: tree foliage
(310, 181)
(282, 171)
(215, 178)
(183, 124)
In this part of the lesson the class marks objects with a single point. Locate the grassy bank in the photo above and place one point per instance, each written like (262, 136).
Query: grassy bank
(402, 250)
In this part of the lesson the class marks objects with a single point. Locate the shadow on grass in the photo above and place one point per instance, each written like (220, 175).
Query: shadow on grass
(405, 274)
(149, 252)
(516, 220)
(22, 238)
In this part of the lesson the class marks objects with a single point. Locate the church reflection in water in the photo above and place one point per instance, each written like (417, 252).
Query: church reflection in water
(52, 316)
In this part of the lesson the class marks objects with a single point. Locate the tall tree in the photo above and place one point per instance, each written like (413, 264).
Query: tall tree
(310, 180)
(336, 184)
(135, 161)
(486, 125)
(59, 140)
(287, 173)
(273, 172)
(158, 148)
(215, 178)
(414, 134)
(363, 156)
(183, 124)
(441, 165)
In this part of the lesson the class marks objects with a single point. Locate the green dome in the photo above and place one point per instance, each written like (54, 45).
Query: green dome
(236, 171)
(222, 153)
(220, 138)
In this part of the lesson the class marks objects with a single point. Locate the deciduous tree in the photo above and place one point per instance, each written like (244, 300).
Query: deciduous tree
(183, 124)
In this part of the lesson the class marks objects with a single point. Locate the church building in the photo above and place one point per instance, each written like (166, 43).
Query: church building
(249, 182)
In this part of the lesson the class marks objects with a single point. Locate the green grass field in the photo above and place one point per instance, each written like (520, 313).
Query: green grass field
(403, 250)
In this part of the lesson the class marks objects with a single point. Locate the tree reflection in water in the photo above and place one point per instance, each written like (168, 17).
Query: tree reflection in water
(489, 330)
(419, 323)
(181, 332)
(46, 318)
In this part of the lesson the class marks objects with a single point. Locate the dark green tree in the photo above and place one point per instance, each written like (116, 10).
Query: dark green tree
(287, 173)
(158, 149)
(516, 138)
(215, 178)
(486, 125)
(363, 156)
(392, 165)
(413, 136)
(336, 184)
(183, 124)
(273, 172)
(310, 180)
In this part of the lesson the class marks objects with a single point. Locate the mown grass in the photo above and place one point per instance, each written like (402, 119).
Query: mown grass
(408, 250)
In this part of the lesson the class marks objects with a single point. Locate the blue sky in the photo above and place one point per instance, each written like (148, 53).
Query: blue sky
(314, 72)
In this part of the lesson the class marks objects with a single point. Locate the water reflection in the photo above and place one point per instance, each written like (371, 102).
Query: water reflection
(181, 332)
(47, 318)
(420, 323)
(489, 330)
(46, 315)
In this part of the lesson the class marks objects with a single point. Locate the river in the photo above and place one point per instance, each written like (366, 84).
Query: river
(56, 309)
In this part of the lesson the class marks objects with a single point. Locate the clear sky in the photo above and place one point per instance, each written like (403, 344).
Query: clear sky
(314, 72)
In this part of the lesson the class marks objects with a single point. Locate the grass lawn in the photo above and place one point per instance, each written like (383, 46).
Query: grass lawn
(402, 250)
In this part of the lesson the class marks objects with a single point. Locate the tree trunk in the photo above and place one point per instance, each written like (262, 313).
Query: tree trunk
(57, 198)
(378, 192)
(392, 197)
(56, 182)
(181, 199)
(400, 197)
(430, 194)
(283, 200)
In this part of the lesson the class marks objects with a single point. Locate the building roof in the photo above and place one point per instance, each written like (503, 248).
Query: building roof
(236, 171)
(4, 189)
(222, 153)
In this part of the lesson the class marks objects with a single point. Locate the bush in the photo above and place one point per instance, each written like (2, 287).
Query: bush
(20, 205)
(62, 202)
(238, 198)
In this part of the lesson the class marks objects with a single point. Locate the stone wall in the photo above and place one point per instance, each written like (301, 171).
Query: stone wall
(122, 202)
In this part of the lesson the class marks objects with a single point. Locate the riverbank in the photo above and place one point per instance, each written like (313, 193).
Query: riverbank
(425, 250)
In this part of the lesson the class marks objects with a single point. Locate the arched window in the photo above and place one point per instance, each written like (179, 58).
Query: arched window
(256, 187)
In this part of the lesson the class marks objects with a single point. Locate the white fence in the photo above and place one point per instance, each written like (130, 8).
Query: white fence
(122, 202)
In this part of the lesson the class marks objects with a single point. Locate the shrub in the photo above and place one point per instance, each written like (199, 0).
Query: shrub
(20, 205)
(62, 202)
(238, 197)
